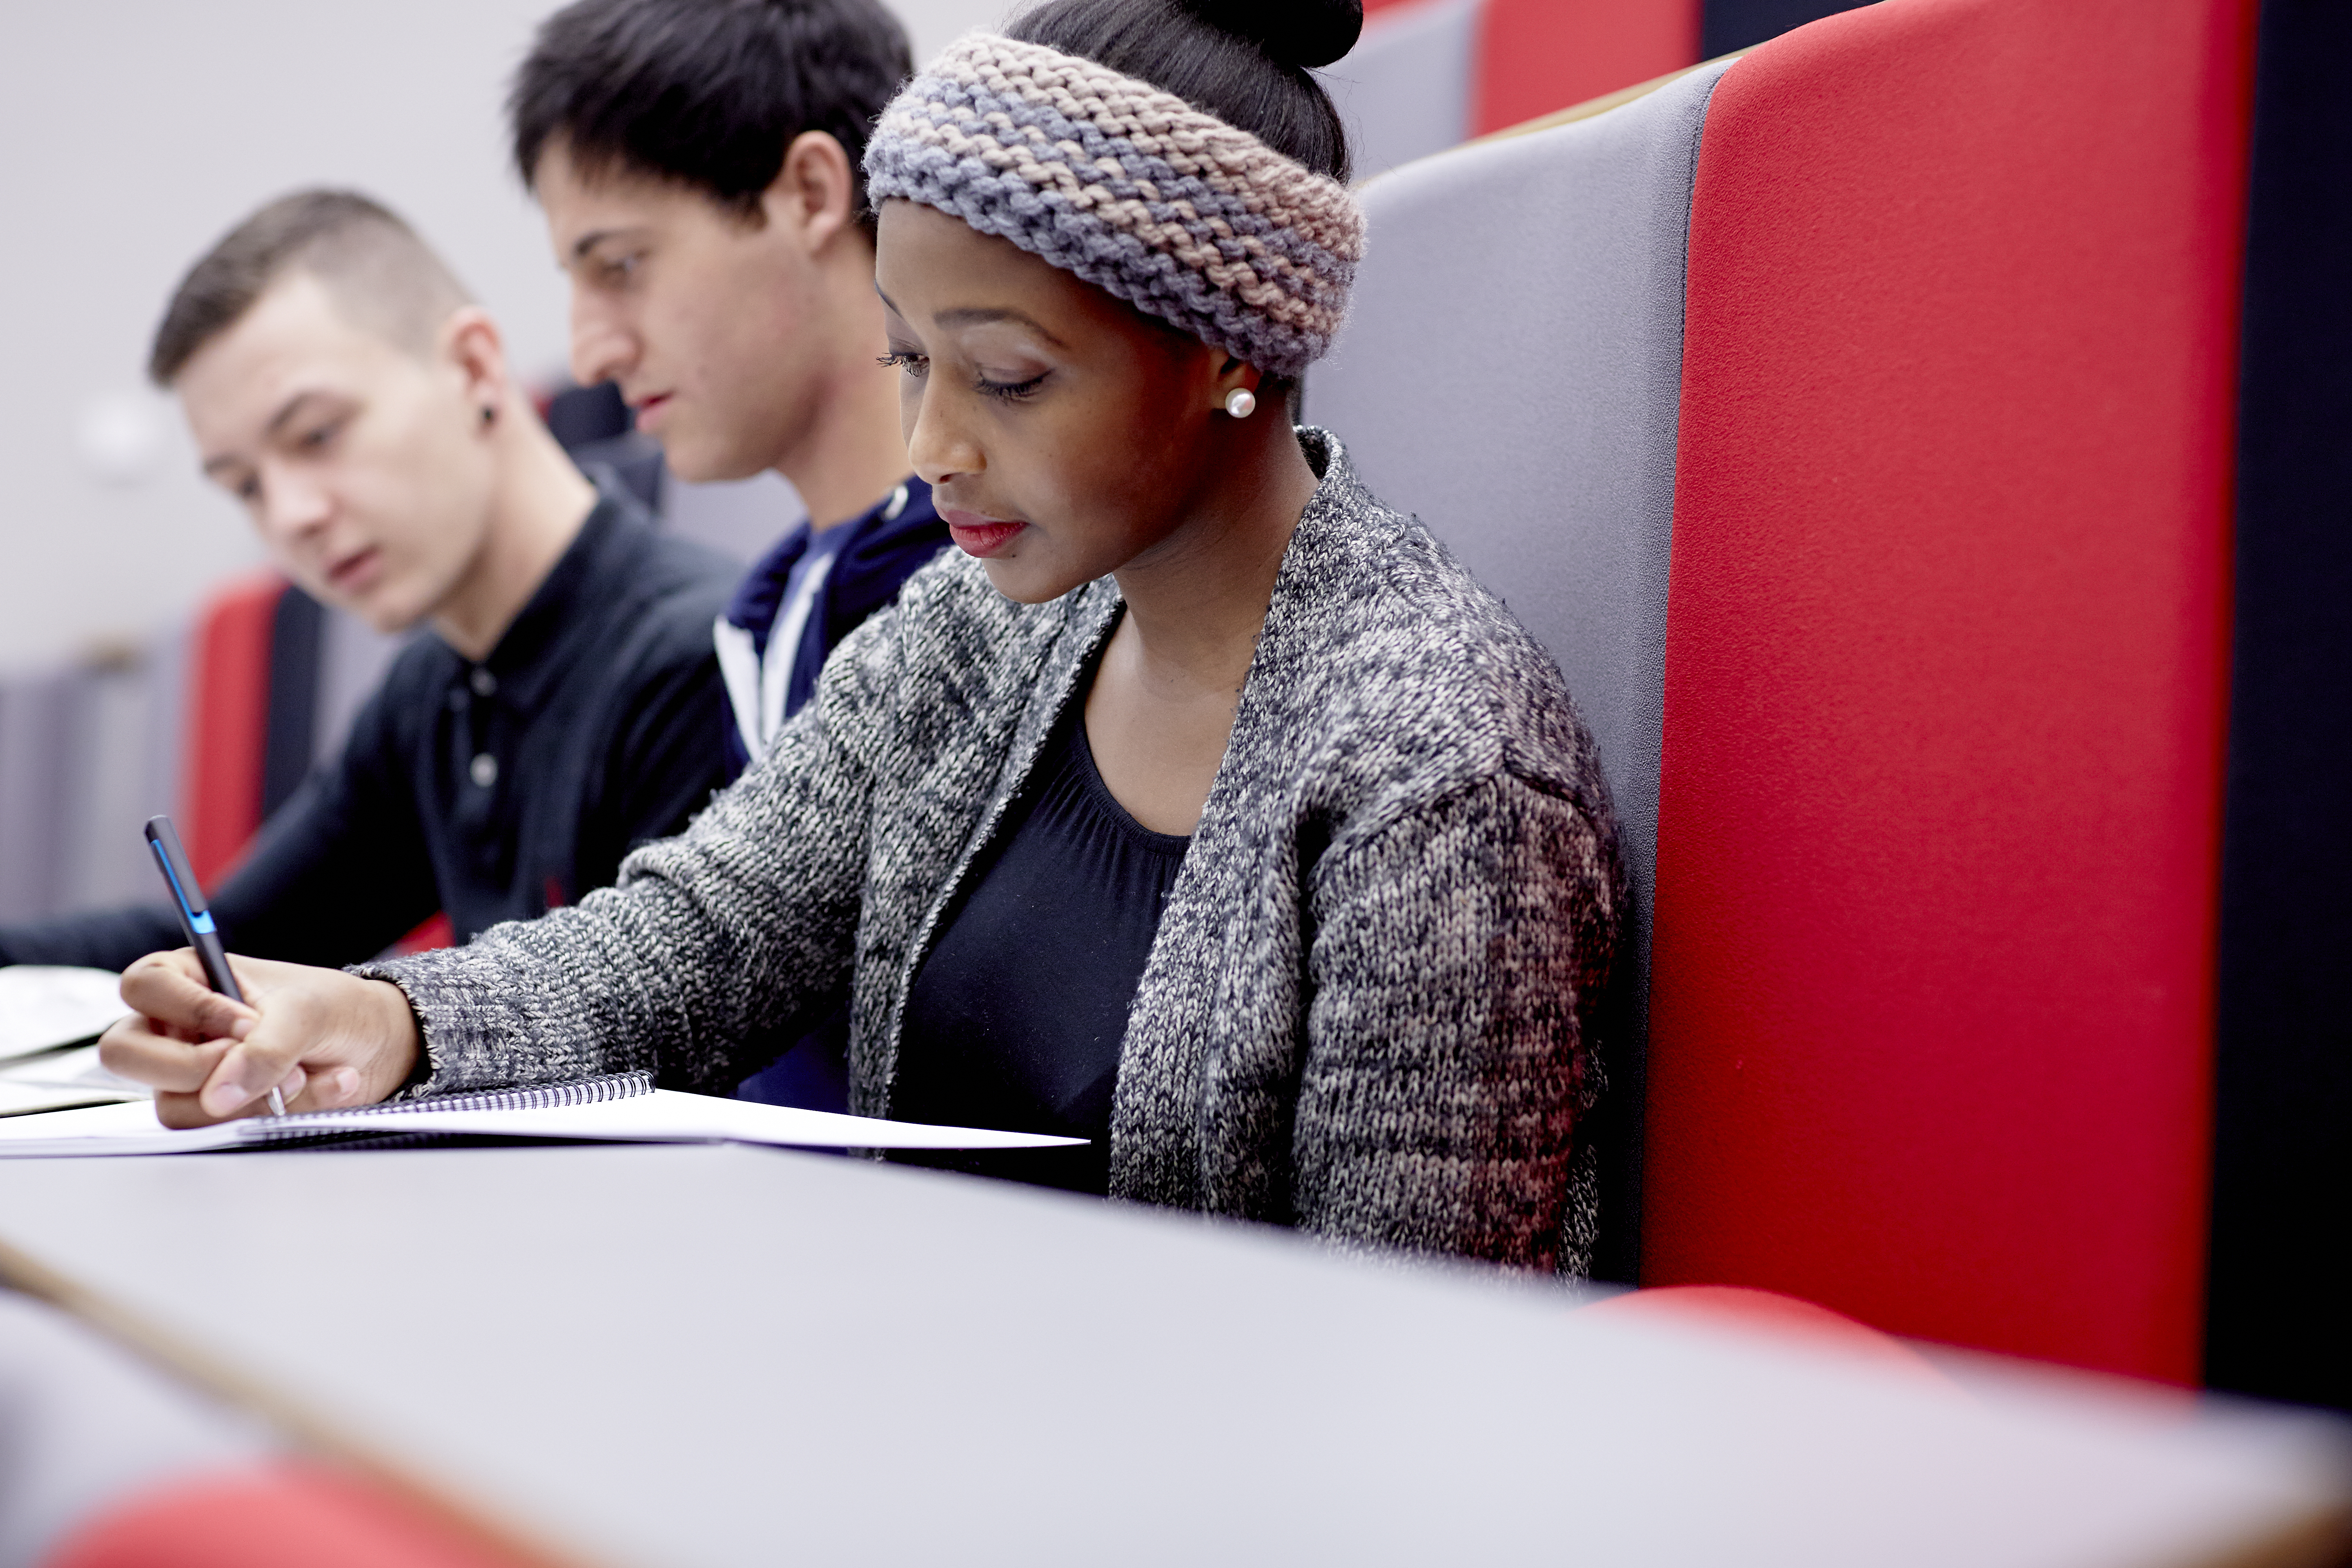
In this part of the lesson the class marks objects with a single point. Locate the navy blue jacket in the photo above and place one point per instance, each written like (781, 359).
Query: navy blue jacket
(871, 556)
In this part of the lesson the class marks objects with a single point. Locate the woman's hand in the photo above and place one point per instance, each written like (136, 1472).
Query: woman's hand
(323, 1038)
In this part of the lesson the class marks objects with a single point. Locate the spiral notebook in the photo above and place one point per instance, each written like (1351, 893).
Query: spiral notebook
(618, 1107)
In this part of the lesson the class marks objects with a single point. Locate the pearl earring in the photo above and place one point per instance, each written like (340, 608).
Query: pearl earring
(1240, 403)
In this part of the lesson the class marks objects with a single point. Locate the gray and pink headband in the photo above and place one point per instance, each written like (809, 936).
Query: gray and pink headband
(1130, 188)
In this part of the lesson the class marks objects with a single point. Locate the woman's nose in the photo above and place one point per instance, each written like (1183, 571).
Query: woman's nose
(938, 444)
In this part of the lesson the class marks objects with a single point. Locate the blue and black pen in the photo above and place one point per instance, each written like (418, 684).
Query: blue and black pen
(196, 920)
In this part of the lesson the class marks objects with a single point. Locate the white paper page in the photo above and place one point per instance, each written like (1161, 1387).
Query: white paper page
(129, 1128)
(57, 1080)
(44, 1005)
(28, 1099)
(76, 1068)
(664, 1116)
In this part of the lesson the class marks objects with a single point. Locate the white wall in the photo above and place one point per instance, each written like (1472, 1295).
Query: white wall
(934, 24)
(1404, 92)
(136, 133)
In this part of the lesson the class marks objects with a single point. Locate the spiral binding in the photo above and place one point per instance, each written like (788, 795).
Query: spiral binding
(526, 1097)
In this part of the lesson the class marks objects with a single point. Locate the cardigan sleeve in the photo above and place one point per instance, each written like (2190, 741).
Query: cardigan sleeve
(747, 917)
(1455, 953)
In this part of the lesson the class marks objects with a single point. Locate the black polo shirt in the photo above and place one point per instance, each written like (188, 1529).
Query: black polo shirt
(492, 791)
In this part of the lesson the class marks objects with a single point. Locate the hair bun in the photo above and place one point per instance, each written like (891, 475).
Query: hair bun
(1304, 33)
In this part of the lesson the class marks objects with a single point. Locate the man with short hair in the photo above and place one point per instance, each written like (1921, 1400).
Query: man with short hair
(341, 383)
(698, 162)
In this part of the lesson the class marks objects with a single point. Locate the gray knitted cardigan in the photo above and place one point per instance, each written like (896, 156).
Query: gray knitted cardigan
(1367, 1011)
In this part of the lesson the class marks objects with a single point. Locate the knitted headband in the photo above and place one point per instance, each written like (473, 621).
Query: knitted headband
(1130, 188)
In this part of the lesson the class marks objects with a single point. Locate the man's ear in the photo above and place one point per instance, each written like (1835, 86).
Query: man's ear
(470, 344)
(813, 194)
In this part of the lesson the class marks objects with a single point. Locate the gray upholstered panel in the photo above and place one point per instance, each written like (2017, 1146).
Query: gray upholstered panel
(1511, 372)
(38, 733)
(124, 769)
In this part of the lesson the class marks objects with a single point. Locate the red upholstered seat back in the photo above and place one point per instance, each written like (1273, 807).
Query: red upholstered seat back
(1537, 55)
(1945, 674)
(226, 732)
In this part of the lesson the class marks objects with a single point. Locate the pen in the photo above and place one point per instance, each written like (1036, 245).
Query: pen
(196, 920)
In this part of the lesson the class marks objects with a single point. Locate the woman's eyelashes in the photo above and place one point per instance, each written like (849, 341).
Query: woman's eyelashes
(919, 365)
(1010, 391)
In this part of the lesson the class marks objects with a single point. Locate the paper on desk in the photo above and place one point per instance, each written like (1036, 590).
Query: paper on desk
(60, 1080)
(664, 1116)
(32, 1099)
(45, 1006)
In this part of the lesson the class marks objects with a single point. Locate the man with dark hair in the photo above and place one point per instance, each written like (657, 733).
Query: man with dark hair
(698, 162)
(344, 386)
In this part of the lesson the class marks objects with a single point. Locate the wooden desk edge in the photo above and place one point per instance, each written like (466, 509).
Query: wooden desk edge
(183, 1362)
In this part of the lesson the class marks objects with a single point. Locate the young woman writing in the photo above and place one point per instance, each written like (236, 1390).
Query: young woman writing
(1202, 807)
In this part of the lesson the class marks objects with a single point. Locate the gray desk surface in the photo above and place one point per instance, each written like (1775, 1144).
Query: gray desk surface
(717, 1355)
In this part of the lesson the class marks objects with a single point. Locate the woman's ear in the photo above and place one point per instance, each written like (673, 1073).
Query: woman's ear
(814, 193)
(470, 344)
(1237, 385)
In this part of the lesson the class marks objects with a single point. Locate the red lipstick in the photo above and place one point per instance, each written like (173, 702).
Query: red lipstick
(977, 535)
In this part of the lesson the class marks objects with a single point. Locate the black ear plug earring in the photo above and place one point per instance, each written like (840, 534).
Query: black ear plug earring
(489, 416)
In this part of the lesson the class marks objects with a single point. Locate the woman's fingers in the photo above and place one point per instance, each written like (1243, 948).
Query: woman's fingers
(188, 1111)
(335, 1088)
(133, 1049)
(170, 989)
(180, 1111)
(323, 1038)
(246, 1072)
(174, 1108)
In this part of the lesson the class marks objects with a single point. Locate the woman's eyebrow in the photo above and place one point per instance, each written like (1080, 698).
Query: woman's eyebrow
(985, 315)
(979, 316)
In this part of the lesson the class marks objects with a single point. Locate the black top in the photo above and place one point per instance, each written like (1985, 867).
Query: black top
(1015, 1018)
(490, 791)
